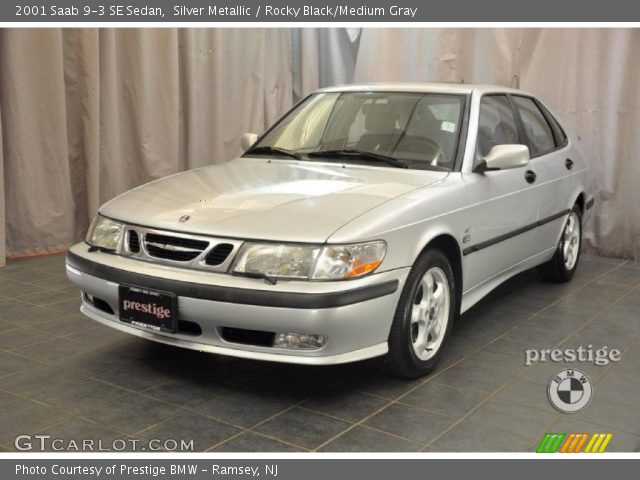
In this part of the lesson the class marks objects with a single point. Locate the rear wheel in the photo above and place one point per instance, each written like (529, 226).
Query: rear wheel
(565, 260)
(423, 318)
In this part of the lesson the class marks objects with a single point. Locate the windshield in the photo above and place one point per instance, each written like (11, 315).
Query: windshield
(420, 129)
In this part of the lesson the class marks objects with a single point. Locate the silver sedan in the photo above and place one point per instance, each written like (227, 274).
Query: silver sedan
(360, 225)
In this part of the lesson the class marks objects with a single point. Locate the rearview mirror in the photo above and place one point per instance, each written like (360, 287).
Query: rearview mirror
(502, 157)
(247, 140)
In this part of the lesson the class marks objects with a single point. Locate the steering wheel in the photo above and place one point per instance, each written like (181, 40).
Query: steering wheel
(419, 145)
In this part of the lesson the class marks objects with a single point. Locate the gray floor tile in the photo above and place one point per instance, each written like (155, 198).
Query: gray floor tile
(44, 297)
(26, 417)
(68, 325)
(241, 408)
(527, 393)
(409, 422)
(514, 418)
(39, 380)
(303, 428)
(191, 427)
(17, 337)
(82, 396)
(132, 413)
(11, 363)
(6, 397)
(362, 439)
(472, 378)
(473, 436)
(254, 442)
(496, 363)
(188, 392)
(52, 350)
(345, 404)
(444, 400)
(136, 376)
(383, 385)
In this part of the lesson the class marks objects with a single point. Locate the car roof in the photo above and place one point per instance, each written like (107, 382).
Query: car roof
(459, 88)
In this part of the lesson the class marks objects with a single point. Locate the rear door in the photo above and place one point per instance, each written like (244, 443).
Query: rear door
(503, 202)
(549, 150)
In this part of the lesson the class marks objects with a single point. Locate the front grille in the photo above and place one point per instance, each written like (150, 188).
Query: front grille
(134, 241)
(243, 336)
(178, 249)
(219, 254)
(193, 251)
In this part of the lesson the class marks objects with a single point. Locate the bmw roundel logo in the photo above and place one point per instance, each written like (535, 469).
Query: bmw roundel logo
(184, 218)
(570, 391)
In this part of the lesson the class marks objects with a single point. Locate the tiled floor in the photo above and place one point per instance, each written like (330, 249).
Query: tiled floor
(64, 375)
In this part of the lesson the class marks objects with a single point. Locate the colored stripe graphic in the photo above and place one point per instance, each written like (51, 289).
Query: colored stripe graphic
(574, 442)
(598, 443)
(551, 442)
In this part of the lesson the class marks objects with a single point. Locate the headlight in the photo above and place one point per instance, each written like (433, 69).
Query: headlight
(105, 233)
(273, 260)
(349, 261)
(314, 262)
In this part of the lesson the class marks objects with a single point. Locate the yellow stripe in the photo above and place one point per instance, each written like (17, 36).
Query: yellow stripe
(566, 443)
(583, 438)
(598, 442)
(590, 444)
(606, 441)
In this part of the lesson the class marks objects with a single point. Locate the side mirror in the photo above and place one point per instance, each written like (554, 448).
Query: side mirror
(503, 157)
(247, 140)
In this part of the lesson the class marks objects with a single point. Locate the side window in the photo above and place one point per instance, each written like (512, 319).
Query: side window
(558, 132)
(536, 126)
(496, 125)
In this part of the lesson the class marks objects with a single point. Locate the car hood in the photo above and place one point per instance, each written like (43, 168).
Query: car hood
(256, 198)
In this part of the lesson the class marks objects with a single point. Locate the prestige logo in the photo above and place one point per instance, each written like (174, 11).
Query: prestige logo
(158, 311)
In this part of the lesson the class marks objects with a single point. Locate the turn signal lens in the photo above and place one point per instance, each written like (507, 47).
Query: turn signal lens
(337, 262)
(360, 268)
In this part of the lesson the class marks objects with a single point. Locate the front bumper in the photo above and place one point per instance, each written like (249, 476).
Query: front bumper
(355, 315)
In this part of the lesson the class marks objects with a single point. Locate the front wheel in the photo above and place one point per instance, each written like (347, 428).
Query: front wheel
(423, 318)
(565, 260)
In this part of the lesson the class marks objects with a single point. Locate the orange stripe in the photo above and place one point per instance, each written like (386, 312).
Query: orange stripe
(578, 447)
(576, 439)
(566, 443)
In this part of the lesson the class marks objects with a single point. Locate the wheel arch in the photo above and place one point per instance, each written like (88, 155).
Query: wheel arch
(447, 244)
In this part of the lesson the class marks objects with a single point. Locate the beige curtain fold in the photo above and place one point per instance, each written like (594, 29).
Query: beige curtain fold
(2, 216)
(89, 114)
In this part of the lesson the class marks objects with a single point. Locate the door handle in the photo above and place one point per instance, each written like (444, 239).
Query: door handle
(530, 176)
(568, 163)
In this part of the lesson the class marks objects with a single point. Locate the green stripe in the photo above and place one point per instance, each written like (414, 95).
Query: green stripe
(551, 443)
(542, 448)
(559, 439)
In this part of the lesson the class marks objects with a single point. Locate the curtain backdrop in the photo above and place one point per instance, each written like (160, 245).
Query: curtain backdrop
(88, 114)
(2, 203)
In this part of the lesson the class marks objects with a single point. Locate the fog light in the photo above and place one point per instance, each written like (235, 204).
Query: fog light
(300, 341)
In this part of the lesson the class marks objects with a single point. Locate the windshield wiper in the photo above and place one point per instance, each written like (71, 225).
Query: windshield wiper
(359, 155)
(266, 150)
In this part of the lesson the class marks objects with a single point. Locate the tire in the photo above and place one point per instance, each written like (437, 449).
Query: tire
(565, 260)
(406, 357)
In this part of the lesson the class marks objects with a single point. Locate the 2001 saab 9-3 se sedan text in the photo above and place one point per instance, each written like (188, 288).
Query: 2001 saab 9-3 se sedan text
(360, 225)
